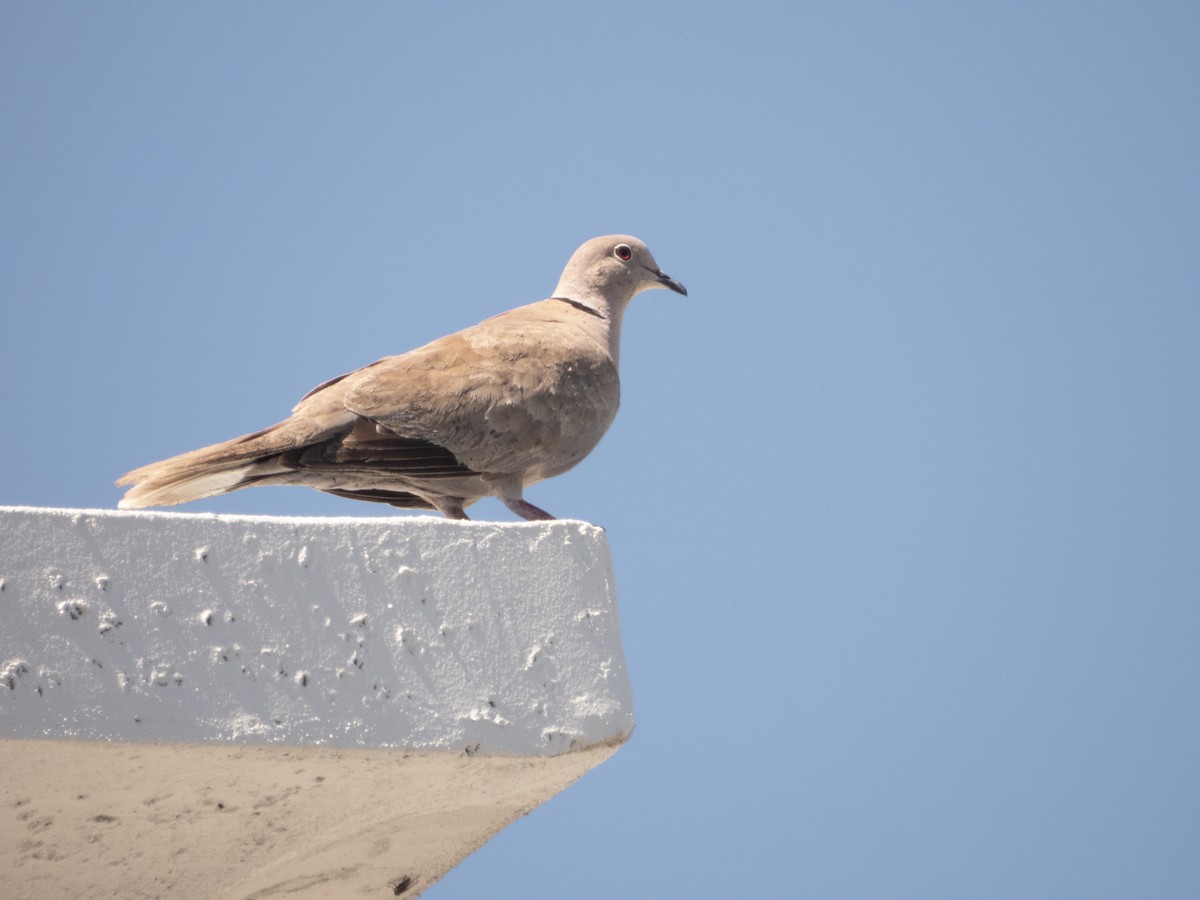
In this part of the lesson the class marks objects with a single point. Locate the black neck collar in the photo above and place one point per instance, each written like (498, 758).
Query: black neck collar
(583, 307)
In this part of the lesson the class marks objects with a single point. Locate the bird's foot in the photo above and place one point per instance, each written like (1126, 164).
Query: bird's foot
(527, 510)
(451, 508)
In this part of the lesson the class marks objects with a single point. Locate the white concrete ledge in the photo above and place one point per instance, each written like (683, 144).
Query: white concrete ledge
(227, 666)
(418, 633)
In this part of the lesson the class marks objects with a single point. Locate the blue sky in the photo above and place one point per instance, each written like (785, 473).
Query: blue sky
(903, 498)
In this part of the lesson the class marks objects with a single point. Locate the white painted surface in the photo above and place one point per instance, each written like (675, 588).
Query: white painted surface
(419, 633)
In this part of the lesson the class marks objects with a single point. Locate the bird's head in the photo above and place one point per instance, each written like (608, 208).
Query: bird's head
(612, 269)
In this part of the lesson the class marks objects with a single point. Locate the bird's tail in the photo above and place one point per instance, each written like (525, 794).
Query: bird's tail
(213, 470)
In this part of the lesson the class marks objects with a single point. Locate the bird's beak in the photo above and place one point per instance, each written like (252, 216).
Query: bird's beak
(668, 282)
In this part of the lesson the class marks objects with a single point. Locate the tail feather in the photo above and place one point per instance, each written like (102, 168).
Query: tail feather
(168, 489)
(214, 470)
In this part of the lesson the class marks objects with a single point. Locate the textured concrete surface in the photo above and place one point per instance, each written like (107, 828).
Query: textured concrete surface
(95, 820)
(199, 706)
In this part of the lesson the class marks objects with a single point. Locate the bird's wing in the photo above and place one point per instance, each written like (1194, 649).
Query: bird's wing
(500, 397)
(371, 449)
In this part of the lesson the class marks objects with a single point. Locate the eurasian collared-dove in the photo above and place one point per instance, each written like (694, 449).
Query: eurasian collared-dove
(486, 411)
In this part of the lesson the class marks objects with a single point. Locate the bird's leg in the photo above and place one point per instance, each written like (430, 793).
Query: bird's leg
(526, 510)
(450, 507)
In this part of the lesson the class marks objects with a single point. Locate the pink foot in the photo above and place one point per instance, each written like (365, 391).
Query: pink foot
(526, 510)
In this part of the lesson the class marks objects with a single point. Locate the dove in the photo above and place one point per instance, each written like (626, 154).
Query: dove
(485, 412)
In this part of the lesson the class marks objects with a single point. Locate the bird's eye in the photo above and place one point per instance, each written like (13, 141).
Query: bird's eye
(623, 252)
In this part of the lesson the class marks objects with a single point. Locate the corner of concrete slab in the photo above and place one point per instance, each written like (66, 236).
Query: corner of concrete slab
(203, 706)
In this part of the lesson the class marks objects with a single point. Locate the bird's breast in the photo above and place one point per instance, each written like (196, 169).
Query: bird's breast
(572, 415)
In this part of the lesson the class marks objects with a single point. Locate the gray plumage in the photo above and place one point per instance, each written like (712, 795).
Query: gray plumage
(486, 411)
